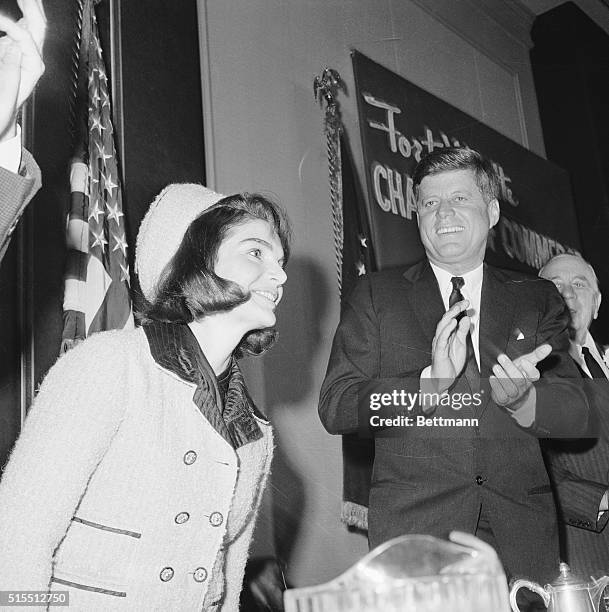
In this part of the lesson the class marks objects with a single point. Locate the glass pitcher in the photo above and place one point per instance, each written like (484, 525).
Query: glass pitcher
(413, 573)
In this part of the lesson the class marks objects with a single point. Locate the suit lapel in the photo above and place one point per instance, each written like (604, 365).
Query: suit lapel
(425, 298)
(497, 308)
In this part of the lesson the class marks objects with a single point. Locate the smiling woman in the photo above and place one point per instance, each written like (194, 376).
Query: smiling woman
(229, 258)
(147, 440)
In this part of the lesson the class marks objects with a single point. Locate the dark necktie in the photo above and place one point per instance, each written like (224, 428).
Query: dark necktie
(471, 367)
(456, 295)
(595, 370)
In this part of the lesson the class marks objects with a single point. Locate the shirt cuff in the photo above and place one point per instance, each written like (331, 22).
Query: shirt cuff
(524, 415)
(603, 506)
(10, 152)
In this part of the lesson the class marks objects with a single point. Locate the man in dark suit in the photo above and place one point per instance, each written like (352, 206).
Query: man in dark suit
(580, 468)
(475, 466)
(20, 68)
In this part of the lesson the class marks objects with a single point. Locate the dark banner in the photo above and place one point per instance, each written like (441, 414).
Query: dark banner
(400, 122)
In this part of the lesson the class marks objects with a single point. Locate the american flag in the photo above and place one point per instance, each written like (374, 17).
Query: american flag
(96, 294)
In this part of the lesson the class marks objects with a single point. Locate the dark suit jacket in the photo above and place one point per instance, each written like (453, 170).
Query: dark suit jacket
(580, 473)
(16, 190)
(433, 479)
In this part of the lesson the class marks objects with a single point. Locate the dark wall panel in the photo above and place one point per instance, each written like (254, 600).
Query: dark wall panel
(31, 285)
(163, 125)
(10, 342)
(52, 148)
(571, 69)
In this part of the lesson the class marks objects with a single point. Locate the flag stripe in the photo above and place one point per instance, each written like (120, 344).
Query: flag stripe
(79, 173)
(77, 235)
(97, 273)
(76, 266)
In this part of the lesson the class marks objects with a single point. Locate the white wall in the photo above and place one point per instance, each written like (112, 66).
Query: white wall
(264, 133)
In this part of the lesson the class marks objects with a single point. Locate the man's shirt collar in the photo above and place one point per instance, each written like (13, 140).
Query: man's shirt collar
(472, 280)
(575, 350)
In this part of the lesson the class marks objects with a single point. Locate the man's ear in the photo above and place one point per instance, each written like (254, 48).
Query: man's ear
(597, 301)
(493, 212)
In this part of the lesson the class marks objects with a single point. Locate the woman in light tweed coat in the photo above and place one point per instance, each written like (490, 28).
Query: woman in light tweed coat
(137, 477)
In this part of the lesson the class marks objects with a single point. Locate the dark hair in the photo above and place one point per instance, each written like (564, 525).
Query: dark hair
(189, 288)
(459, 158)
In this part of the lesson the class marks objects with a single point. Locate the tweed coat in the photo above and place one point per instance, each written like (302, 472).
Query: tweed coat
(121, 492)
(16, 190)
(430, 479)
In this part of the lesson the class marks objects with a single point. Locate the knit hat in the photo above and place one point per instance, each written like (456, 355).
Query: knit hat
(163, 229)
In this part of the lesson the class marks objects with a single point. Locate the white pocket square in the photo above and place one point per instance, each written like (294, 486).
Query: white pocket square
(519, 335)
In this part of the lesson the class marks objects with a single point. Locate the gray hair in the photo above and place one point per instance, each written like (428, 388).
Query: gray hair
(575, 256)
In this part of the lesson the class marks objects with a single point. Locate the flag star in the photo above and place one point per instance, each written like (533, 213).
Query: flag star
(114, 213)
(102, 151)
(109, 184)
(121, 244)
(91, 78)
(95, 97)
(98, 48)
(363, 240)
(99, 240)
(96, 125)
(106, 99)
(124, 273)
(361, 268)
(95, 212)
(103, 76)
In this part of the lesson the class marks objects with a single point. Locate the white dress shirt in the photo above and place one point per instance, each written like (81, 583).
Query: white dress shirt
(10, 152)
(575, 351)
(471, 290)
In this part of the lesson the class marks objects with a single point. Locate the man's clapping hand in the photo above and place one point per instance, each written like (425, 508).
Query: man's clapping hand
(512, 380)
(449, 346)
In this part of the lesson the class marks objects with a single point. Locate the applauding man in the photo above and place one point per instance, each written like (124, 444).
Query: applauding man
(475, 347)
(20, 68)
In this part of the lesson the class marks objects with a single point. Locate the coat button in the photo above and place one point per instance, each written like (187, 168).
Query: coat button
(200, 574)
(182, 517)
(166, 574)
(480, 480)
(190, 457)
(216, 519)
